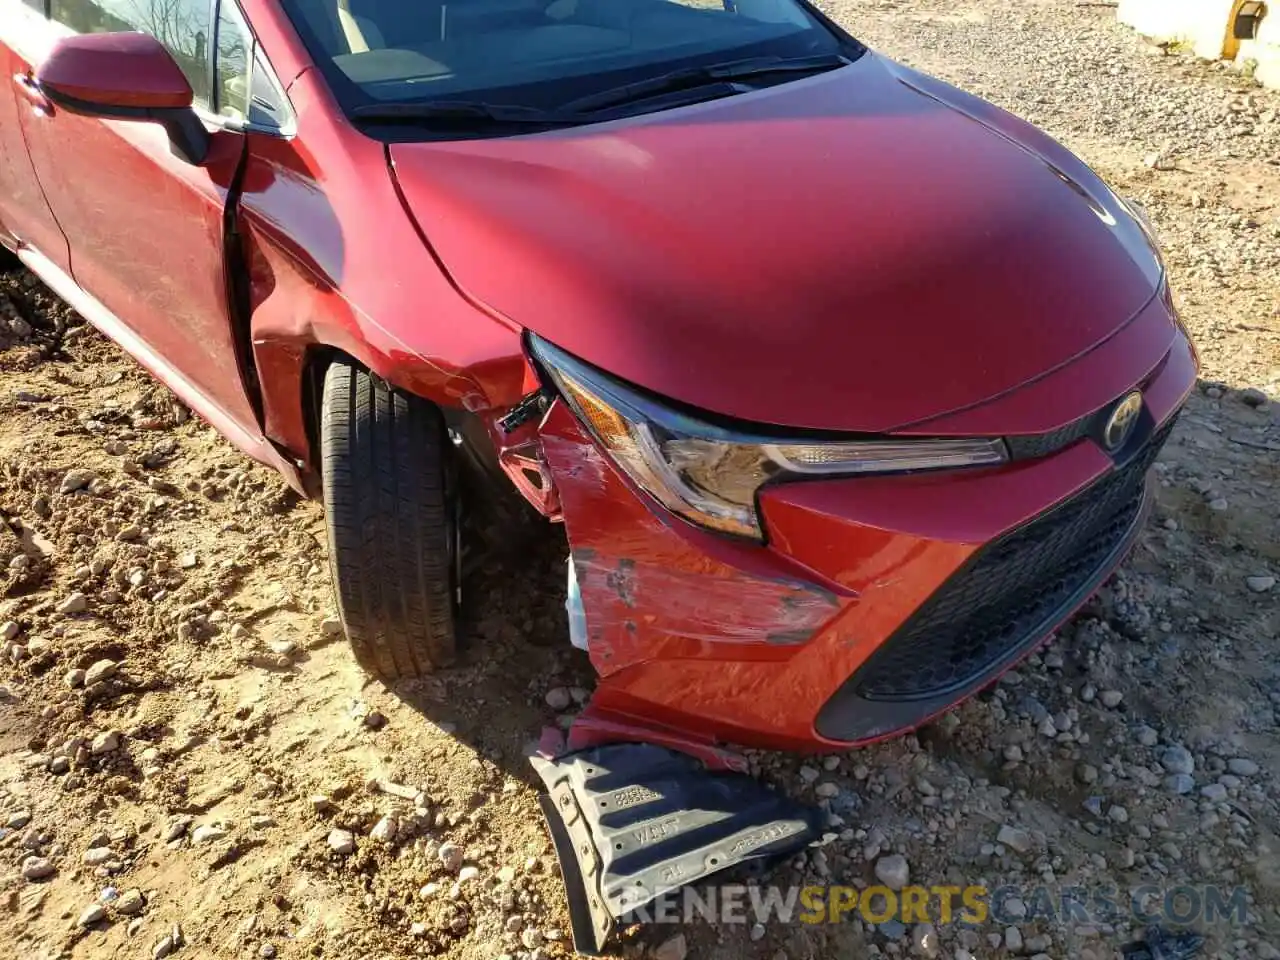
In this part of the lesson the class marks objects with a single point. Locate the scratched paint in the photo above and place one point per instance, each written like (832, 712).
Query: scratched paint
(652, 590)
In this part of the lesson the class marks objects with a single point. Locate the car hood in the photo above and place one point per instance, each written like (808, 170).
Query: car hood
(858, 251)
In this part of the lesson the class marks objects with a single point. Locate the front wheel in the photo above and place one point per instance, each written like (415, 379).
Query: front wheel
(392, 522)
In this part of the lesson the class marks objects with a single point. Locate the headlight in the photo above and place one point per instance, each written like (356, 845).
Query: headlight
(710, 475)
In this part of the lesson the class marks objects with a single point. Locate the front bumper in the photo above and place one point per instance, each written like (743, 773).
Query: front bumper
(879, 601)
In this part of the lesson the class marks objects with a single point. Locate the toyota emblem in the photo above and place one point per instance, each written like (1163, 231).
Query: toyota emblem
(1123, 419)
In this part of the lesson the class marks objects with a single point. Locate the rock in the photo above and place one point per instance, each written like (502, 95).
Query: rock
(75, 603)
(1218, 504)
(1147, 736)
(163, 947)
(892, 929)
(100, 670)
(208, 832)
(74, 678)
(59, 765)
(131, 902)
(1178, 759)
(1179, 783)
(826, 791)
(177, 828)
(468, 873)
(559, 698)
(74, 480)
(531, 937)
(375, 720)
(1253, 397)
(1242, 767)
(97, 855)
(1214, 792)
(18, 819)
(262, 821)
(267, 951)
(320, 803)
(893, 871)
(1013, 940)
(1118, 814)
(342, 842)
(187, 560)
(331, 627)
(384, 831)
(809, 774)
(92, 914)
(1086, 773)
(105, 742)
(8, 631)
(1260, 584)
(1020, 841)
(37, 868)
(677, 948)
(1111, 698)
(451, 855)
(924, 940)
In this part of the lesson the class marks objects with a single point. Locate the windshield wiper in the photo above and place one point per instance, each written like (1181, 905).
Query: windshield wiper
(717, 74)
(460, 112)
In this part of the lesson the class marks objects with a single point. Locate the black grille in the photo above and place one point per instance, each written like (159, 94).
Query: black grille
(1008, 589)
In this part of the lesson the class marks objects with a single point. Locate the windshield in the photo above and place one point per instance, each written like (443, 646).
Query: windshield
(540, 53)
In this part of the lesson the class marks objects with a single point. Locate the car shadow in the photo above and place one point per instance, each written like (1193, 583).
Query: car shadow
(514, 647)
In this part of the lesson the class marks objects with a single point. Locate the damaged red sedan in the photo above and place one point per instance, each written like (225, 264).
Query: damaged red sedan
(844, 383)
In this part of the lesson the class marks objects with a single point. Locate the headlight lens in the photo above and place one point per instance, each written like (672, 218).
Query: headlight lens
(710, 475)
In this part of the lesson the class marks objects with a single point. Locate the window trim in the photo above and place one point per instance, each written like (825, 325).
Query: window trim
(257, 61)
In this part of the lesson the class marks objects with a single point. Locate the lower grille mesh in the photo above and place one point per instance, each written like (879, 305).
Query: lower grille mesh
(1008, 589)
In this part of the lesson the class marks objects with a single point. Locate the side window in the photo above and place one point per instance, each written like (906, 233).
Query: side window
(231, 69)
(183, 26)
(34, 4)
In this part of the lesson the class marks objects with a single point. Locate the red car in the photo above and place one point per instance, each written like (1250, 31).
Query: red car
(844, 382)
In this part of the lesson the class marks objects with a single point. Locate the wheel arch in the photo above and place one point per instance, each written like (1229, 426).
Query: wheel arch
(292, 369)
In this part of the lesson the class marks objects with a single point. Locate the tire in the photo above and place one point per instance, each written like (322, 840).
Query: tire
(389, 507)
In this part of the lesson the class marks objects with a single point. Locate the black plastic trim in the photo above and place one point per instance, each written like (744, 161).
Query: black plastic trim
(849, 717)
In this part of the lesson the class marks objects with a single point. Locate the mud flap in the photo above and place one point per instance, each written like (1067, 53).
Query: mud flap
(632, 821)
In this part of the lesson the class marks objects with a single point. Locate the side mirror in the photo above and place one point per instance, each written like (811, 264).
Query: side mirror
(124, 76)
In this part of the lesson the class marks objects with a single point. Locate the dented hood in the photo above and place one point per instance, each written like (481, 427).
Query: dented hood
(860, 250)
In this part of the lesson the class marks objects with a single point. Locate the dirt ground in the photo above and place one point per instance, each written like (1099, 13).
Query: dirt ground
(184, 738)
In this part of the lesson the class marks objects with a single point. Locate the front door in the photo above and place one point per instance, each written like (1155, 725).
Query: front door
(25, 218)
(146, 229)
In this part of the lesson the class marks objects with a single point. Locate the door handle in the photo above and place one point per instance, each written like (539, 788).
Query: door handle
(30, 91)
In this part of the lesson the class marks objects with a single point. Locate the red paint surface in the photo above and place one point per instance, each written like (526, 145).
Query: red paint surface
(25, 217)
(883, 255)
(116, 70)
(166, 283)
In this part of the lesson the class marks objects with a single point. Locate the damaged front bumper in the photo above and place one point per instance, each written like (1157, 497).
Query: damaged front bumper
(876, 602)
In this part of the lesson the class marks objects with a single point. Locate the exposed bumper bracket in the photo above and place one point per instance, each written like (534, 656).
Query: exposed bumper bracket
(632, 822)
